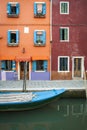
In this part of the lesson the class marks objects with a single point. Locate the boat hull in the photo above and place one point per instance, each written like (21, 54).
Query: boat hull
(40, 99)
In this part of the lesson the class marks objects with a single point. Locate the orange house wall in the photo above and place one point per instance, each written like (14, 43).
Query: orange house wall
(25, 19)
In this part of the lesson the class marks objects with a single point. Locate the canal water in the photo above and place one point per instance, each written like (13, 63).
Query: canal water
(63, 114)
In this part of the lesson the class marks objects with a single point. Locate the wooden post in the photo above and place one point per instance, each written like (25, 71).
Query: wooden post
(24, 80)
(85, 81)
(86, 88)
(30, 69)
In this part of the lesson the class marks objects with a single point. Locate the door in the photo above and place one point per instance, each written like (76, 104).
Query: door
(77, 67)
(22, 70)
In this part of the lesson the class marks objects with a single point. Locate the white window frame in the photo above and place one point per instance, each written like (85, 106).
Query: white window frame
(67, 6)
(82, 65)
(67, 34)
(68, 70)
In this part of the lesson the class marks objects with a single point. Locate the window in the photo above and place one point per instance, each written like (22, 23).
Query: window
(64, 7)
(8, 65)
(39, 9)
(13, 9)
(39, 38)
(64, 34)
(13, 37)
(63, 63)
(39, 65)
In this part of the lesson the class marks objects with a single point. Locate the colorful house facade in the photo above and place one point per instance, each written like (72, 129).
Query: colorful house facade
(25, 37)
(69, 39)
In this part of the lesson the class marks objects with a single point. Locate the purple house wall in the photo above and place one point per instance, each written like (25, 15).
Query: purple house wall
(10, 75)
(40, 75)
(0, 75)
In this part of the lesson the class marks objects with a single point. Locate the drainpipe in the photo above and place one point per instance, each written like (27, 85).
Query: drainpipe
(50, 33)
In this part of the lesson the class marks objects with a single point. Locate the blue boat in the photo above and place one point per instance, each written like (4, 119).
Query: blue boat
(16, 101)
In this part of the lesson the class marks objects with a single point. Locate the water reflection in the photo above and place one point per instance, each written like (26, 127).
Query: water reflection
(69, 114)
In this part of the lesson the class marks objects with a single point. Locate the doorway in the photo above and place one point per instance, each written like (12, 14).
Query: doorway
(22, 70)
(78, 66)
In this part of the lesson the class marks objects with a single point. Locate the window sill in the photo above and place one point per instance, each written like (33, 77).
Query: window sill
(13, 44)
(64, 13)
(40, 71)
(39, 45)
(7, 70)
(63, 71)
(64, 41)
(39, 16)
(12, 15)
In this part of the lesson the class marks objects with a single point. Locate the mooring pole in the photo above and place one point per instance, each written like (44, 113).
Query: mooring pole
(85, 82)
(24, 79)
(86, 88)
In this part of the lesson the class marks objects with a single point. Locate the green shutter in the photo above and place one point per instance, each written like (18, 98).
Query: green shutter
(66, 34)
(65, 7)
(61, 64)
(62, 7)
(61, 34)
(65, 64)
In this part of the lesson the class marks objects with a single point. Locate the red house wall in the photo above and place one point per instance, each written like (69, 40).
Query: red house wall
(76, 20)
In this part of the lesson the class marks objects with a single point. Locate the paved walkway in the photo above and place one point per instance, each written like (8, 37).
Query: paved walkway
(43, 85)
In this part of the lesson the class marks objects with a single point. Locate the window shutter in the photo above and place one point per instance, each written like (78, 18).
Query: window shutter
(41, 37)
(65, 34)
(17, 36)
(17, 8)
(62, 7)
(65, 63)
(44, 8)
(45, 65)
(9, 36)
(35, 8)
(61, 34)
(65, 7)
(13, 66)
(3, 65)
(61, 64)
(34, 66)
(44, 37)
(35, 37)
(8, 8)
